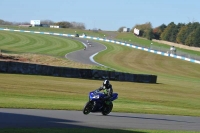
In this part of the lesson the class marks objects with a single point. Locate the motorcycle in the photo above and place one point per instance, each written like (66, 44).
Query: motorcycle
(96, 104)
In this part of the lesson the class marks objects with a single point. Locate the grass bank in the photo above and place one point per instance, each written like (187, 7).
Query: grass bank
(43, 92)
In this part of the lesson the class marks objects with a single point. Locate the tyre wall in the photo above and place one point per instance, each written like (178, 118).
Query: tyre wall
(35, 69)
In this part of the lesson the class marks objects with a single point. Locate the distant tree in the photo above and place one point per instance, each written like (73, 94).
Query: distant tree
(191, 34)
(162, 27)
(169, 34)
(190, 39)
(25, 23)
(150, 34)
(175, 31)
(191, 28)
(95, 30)
(48, 22)
(78, 25)
(182, 35)
(121, 29)
(158, 31)
(64, 24)
(193, 38)
(197, 37)
(145, 30)
(2, 22)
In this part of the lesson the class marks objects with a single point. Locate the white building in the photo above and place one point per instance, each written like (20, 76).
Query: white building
(126, 29)
(54, 26)
(136, 31)
(35, 23)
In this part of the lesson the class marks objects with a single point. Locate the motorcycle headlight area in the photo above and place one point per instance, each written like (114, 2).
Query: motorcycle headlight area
(94, 96)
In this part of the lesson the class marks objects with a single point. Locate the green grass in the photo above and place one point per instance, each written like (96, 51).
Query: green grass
(37, 43)
(176, 93)
(58, 30)
(57, 46)
(43, 92)
(128, 37)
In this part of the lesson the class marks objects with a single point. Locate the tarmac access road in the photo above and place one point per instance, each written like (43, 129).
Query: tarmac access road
(36, 118)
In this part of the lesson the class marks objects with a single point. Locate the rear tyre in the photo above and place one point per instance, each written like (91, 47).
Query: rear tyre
(107, 109)
(87, 108)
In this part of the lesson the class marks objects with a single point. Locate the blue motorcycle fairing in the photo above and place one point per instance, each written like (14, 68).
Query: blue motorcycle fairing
(97, 103)
(114, 96)
(97, 95)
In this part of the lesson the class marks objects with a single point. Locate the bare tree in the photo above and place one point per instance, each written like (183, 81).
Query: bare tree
(78, 25)
(121, 29)
(2, 22)
(48, 22)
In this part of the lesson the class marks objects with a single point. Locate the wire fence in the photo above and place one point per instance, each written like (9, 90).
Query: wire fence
(165, 50)
(178, 52)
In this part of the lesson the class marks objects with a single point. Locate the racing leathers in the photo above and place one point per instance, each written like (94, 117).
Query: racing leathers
(108, 91)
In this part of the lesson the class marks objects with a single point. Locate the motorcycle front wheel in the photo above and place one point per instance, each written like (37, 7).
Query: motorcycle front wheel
(87, 108)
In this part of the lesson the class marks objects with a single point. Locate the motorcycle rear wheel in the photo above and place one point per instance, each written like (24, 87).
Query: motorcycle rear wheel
(107, 109)
(87, 108)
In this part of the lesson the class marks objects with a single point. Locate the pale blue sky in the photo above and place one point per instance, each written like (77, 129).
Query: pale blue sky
(102, 14)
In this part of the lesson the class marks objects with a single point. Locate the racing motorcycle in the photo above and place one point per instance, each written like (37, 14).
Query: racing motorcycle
(96, 104)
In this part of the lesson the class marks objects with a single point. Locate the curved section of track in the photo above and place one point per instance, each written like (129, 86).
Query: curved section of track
(86, 56)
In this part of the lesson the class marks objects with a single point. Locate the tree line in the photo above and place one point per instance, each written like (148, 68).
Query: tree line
(63, 24)
(186, 34)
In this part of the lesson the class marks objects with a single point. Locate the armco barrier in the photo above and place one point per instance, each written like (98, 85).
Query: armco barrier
(112, 41)
(35, 69)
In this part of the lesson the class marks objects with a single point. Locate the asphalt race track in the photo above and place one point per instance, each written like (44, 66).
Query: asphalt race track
(83, 56)
(35, 118)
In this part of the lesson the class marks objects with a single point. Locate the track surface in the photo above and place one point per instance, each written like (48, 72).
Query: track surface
(34, 118)
(83, 56)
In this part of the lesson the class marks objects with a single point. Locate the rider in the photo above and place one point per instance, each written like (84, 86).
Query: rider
(107, 89)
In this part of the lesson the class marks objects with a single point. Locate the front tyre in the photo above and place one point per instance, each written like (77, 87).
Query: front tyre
(87, 108)
(107, 109)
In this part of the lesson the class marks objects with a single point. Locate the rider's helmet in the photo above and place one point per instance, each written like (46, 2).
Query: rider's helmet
(106, 84)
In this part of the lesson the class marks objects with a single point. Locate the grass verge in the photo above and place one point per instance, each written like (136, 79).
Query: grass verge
(43, 92)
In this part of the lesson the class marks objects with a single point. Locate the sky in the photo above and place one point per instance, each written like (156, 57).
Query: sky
(107, 15)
